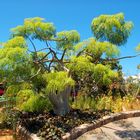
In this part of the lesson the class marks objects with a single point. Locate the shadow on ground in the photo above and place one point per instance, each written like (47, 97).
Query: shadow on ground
(125, 124)
(129, 134)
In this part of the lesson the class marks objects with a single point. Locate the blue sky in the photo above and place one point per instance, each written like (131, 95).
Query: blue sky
(74, 14)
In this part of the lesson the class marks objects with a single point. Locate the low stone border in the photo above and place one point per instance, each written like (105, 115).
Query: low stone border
(78, 131)
(26, 135)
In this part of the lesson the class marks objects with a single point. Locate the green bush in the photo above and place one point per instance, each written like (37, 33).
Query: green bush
(36, 103)
(105, 102)
(27, 100)
(85, 102)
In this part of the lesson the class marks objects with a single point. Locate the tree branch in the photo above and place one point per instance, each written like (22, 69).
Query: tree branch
(30, 51)
(115, 59)
(49, 60)
(50, 64)
(125, 57)
(54, 39)
(63, 55)
(79, 53)
(32, 43)
(52, 51)
(36, 73)
(44, 56)
(42, 49)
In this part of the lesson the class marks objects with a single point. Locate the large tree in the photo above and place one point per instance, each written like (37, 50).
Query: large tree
(59, 61)
(22, 61)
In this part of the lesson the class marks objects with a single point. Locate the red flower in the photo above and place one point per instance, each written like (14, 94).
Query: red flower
(1, 92)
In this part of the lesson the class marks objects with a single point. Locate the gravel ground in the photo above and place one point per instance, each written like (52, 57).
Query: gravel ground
(128, 129)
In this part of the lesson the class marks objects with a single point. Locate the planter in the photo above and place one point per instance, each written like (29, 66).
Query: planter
(78, 131)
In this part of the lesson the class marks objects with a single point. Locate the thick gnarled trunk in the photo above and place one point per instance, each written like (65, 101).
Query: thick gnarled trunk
(60, 101)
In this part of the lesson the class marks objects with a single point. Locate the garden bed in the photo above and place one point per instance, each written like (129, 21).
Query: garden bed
(51, 127)
(77, 130)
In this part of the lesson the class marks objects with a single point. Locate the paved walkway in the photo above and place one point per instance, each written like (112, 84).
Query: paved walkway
(128, 129)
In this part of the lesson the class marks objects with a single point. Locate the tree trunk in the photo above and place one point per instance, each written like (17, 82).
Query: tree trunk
(60, 101)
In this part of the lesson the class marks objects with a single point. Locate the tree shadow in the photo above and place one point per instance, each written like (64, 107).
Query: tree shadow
(125, 124)
(129, 134)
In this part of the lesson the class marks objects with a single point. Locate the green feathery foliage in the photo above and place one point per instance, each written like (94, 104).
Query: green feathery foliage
(36, 104)
(98, 49)
(80, 65)
(112, 28)
(104, 75)
(57, 81)
(36, 28)
(138, 67)
(27, 100)
(13, 58)
(138, 50)
(70, 38)
(138, 47)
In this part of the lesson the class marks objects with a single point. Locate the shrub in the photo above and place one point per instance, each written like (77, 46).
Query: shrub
(36, 103)
(117, 104)
(27, 100)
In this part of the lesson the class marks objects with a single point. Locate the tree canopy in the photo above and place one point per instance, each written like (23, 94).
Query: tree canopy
(112, 28)
(63, 62)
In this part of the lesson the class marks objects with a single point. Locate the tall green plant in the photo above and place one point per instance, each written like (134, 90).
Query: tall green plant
(52, 69)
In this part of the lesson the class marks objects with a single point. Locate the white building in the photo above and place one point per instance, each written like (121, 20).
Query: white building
(133, 78)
